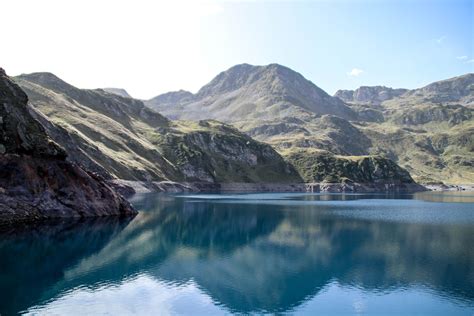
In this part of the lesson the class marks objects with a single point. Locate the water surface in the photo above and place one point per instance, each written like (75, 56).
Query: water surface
(250, 253)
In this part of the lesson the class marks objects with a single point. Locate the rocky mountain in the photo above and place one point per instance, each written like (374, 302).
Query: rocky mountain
(374, 95)
(118, 91)
(428, 131)
(170, 99)
(273, 110)
(246, 92)
(458, 90)
(122, 138)
(36, 180)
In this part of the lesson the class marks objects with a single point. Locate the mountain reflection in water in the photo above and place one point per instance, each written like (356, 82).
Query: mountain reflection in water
(248, 253)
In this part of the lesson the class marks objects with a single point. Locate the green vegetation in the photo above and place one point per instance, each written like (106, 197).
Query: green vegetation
(119, 137)
(321, 166)
(427, 131)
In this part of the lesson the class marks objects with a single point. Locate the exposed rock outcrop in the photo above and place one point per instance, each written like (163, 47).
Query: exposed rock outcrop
(36, 181)
(456, 90)
(369, 95)
(328, 172)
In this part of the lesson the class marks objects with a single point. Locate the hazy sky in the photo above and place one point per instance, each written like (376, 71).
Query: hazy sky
(150, 47)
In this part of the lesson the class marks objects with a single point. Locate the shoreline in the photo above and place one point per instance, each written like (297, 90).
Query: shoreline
(450, 187)
(129, 188)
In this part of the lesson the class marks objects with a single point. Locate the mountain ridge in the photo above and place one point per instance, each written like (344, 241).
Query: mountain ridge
(261, 92)
(379, 116)
(118, 91)
(435, 136)
(122, 138)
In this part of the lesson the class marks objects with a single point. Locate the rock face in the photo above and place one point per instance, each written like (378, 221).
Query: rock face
(36, 181)
(324, 167)
(20, 133)
(453, 114)
(370, 95)
(457, 90)
(217, 153)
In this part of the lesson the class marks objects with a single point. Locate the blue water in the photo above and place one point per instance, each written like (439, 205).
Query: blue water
(249, 254)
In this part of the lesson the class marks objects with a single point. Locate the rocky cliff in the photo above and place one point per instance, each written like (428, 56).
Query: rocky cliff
(374, 95)
(36, 181)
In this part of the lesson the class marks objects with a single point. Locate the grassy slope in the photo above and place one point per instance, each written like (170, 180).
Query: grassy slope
(432, 140)
(106, 131)
(434, 143)
(431, 153)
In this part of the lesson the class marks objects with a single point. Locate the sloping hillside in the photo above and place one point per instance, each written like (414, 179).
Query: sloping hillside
(36, 181)
(121, 138)
(428, 130)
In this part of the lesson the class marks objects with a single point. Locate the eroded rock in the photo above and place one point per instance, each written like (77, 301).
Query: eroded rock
(36, 181)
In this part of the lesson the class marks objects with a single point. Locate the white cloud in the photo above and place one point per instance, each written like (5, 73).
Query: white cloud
(355, 72)
(440, 40)
(470, 61)
(462, 57)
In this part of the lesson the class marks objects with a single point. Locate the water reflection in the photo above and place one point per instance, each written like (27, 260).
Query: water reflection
(248, 255)
(450, 196)
(33, 258)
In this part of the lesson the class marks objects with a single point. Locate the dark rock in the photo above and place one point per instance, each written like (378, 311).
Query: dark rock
(19, 132)
(36, 181)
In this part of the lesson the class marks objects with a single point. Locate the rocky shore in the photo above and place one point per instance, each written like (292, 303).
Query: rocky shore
(450, 187)
(36, 180)
(129, 188)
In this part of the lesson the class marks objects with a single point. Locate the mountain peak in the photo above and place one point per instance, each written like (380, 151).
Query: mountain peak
(242, 75)
(118, 91)
(43, 75)
(245, 92)
(168, 99)
(46, 79)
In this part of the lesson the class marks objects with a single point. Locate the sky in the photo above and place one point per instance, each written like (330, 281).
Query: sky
(151, 47)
